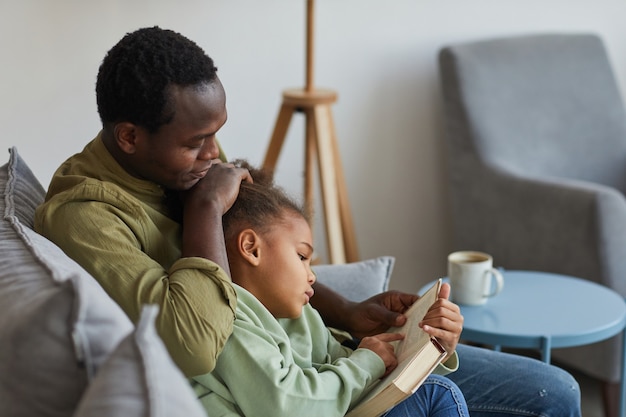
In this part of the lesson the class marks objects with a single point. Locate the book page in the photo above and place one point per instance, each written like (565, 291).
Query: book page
(414, 336)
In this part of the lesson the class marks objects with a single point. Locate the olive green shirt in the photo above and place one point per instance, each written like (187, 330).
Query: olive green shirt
(119, 229)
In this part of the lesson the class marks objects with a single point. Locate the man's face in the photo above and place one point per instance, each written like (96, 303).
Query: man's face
(179, 154)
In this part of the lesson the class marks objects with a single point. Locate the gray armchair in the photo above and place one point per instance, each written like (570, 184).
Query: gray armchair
(536, 134)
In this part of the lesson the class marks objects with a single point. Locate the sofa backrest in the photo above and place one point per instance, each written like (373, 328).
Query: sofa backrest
(61, 335)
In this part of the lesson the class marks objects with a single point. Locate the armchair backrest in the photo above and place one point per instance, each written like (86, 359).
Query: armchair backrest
(538, 105)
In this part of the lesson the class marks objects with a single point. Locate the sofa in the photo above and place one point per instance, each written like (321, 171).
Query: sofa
(67, 349)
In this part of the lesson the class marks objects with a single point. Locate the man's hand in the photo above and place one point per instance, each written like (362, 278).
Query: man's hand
(204, 204)
(218, 189)
(444, 321)
(378, 313)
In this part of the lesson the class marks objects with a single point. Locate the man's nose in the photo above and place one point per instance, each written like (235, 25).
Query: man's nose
(209, 150)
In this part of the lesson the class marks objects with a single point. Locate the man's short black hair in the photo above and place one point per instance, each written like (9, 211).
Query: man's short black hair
(134, 77)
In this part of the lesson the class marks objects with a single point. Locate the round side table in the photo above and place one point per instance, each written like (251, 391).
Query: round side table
(522, 316)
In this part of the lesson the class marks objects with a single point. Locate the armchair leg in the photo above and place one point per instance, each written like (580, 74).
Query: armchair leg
(610, 398)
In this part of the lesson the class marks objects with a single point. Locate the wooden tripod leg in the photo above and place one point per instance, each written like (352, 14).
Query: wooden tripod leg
(278, 136)
(328, 183)
(310, 154)
(349, 237)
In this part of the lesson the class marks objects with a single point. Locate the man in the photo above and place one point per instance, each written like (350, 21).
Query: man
(141, 209)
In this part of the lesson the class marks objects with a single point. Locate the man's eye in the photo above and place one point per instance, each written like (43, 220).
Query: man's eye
(196, 144)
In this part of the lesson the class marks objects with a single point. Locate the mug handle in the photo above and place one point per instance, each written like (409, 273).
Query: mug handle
(499, 281)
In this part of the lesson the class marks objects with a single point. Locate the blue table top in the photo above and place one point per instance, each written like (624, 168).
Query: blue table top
(534, 306)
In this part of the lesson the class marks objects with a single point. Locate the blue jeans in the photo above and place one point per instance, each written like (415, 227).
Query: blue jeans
(437, 397)
(501, 384)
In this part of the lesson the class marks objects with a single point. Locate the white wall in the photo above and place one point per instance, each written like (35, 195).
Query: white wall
(380, 56)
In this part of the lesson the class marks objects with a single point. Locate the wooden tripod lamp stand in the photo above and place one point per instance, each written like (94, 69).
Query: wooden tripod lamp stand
(320, 146)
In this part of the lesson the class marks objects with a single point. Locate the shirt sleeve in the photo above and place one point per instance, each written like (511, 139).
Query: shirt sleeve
(194, 295)
(449, 366)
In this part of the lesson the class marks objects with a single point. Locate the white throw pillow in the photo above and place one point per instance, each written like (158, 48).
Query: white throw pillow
(140, 379)
(357, 281)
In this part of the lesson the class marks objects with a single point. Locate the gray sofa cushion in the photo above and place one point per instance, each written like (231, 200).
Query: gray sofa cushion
(57, 324)
(23, 192)
(140, 379)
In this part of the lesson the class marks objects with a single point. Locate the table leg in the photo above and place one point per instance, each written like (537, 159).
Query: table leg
(622, 390)
(546, 348)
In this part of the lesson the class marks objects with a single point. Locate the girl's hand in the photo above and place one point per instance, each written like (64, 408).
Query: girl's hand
(444, 321)
(380, 345)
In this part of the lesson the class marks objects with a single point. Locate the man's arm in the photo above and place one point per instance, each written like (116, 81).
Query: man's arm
(204, 205)
(372, 316)
(196, 301)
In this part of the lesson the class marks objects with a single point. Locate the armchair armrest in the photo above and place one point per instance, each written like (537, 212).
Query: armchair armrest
(556, 225)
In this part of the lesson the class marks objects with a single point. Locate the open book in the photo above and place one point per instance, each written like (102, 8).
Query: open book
(418, 355)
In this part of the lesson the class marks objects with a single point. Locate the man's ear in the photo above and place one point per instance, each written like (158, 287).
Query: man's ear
(249, 246)
(125, 134)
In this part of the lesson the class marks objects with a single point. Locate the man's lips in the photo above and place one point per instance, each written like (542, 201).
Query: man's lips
(199, 175)
(202, 173)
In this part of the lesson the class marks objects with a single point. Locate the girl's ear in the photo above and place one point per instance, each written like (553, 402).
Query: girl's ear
(125, 134)
(248, 245)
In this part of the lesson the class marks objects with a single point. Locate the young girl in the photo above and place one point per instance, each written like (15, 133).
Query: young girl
(281, 360)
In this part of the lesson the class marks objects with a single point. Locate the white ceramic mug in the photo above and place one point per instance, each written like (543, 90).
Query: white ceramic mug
(472, 277)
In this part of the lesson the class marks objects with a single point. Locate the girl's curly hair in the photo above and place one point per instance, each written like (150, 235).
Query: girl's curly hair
(260, 204)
